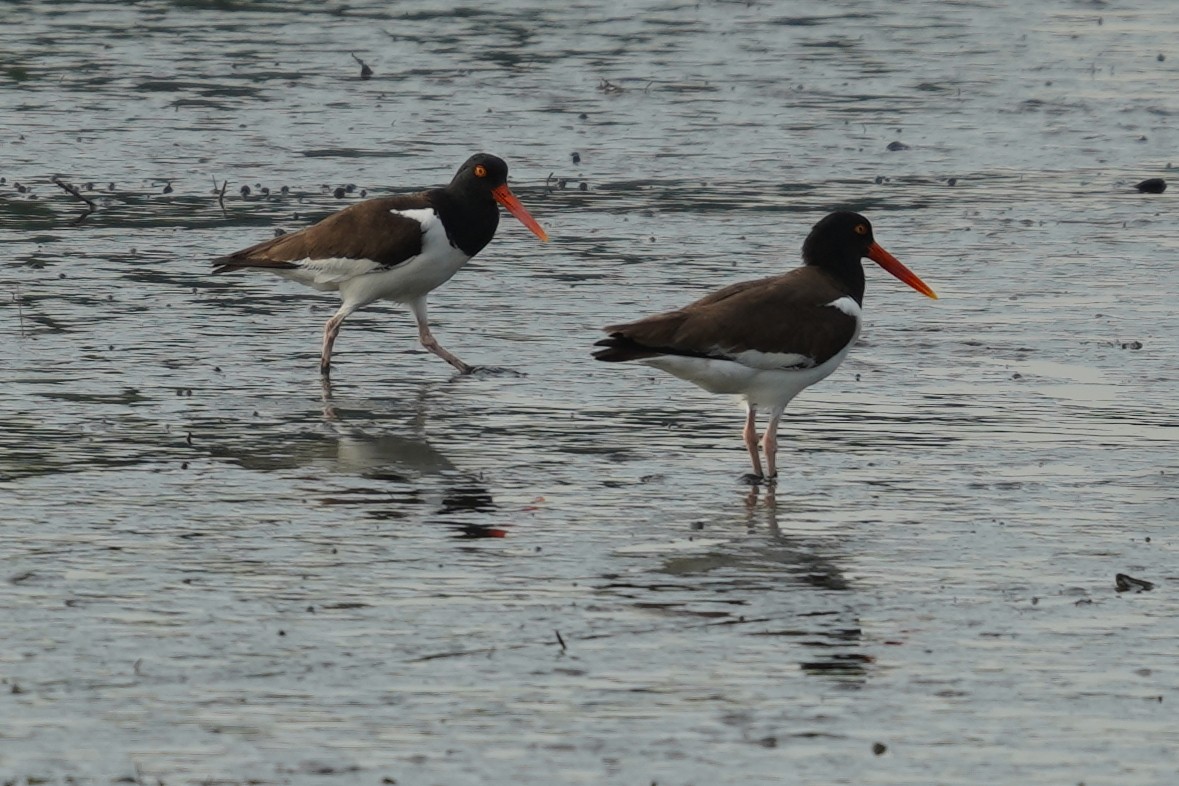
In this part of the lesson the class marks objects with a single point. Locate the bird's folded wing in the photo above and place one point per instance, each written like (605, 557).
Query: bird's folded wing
(768, 323)
(368, 235)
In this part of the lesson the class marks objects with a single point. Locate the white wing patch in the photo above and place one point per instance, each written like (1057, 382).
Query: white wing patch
(770, 360)
(329, 273)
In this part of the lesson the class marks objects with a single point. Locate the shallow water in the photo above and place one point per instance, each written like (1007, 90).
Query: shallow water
(213, 573)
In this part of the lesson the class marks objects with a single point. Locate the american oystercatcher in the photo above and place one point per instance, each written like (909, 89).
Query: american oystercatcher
(770, 339)
(397, 248)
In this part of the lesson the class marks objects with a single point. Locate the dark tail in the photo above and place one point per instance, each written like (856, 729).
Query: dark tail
(231, 263)
(221, 266)
(619, 348)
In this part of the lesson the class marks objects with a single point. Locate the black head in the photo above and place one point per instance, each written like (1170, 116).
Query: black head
(481, 181)
(840, 240)
(842, 236)
(480, 173)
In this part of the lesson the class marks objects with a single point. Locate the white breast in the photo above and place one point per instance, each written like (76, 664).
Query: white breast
(430, 269)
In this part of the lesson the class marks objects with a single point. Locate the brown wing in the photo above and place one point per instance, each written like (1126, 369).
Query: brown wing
(783, 315)
(367, 230)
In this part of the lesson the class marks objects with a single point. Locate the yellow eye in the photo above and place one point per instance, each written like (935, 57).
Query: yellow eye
(861, 229)
(480, 170)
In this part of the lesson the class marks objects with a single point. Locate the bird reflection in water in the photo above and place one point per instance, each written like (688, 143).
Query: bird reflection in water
(458, 499)
(834, 635)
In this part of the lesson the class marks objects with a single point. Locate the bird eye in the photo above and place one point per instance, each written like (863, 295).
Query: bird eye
(861, 229)
(480, 170)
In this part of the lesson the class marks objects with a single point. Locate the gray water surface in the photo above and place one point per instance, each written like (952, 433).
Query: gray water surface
(213, 572)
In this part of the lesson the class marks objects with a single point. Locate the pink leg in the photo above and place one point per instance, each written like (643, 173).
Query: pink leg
(430, 343)
(750, 435)
(771, 444)
(330, 330)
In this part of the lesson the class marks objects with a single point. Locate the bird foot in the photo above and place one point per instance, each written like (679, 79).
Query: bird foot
(492, 371)
(750, 479)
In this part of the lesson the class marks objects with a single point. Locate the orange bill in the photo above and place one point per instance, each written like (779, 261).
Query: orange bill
(505, 197)
(894, 266)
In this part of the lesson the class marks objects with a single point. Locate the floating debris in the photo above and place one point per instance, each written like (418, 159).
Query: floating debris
(90, 206)
(895, 146)
(220, 192)
(365, 71)
(1154, 185)
(1126, 583)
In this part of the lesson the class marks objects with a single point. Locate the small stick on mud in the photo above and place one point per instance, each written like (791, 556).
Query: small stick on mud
(69, 189)
(561, 641)
(365, 71)
(20, 312)
(221, 196)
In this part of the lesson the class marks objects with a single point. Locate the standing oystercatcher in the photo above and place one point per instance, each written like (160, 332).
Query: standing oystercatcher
(396, 248)
(770, 339)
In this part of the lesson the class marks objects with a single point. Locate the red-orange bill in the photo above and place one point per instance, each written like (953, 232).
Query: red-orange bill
(894, 266)
(505, 197)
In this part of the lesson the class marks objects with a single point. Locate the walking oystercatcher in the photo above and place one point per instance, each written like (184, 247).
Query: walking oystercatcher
(397, 248)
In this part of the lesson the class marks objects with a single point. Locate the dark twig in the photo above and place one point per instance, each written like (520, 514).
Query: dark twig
(560, 641)
(20, 311)
(221, 196)
(548, 189)
(90, 206)
(657, 629)
(454, 654)
(365, 71)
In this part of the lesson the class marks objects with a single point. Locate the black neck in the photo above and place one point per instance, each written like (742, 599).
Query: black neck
(847, 270)
(470, 221)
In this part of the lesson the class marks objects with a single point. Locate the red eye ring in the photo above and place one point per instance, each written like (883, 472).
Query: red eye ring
(480, 170)
(861, 229)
